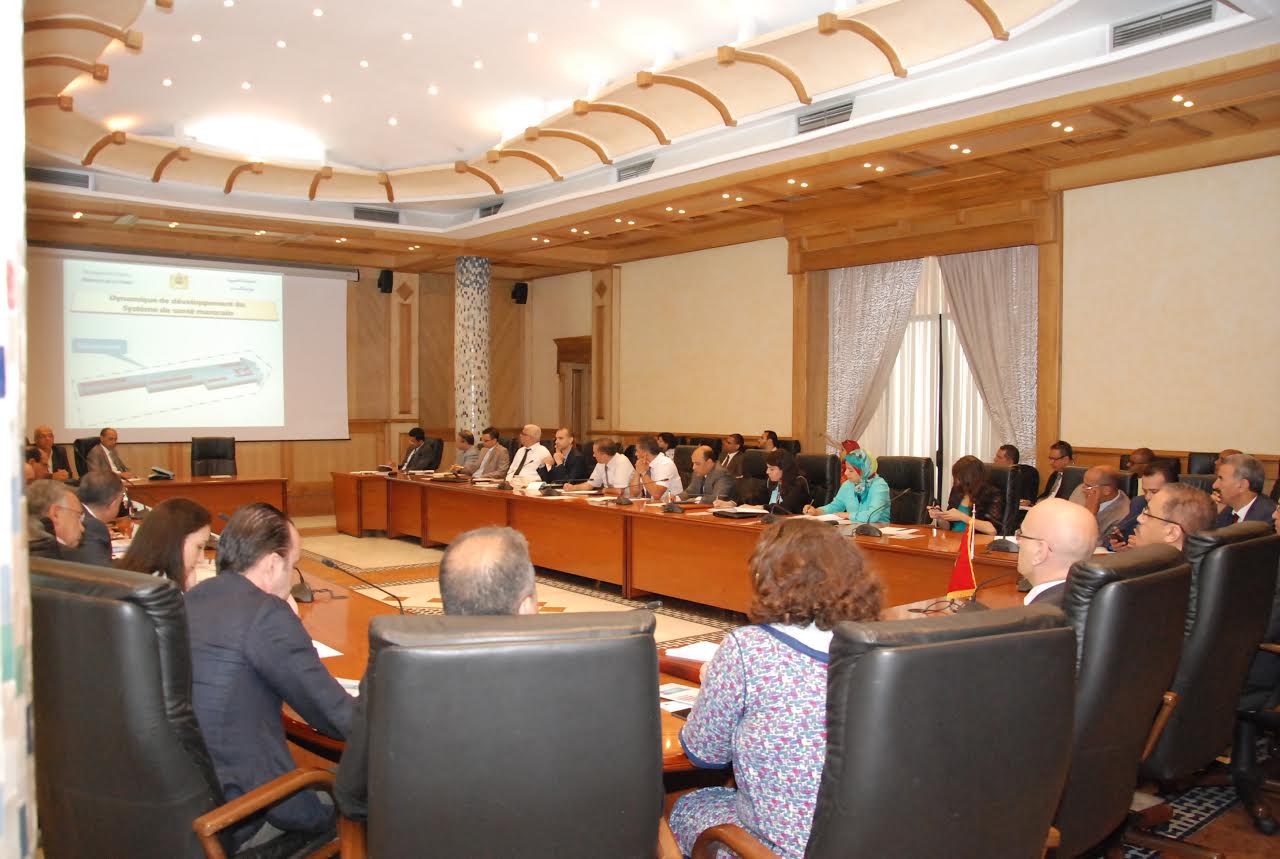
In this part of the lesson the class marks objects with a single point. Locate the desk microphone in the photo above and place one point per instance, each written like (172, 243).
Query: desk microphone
(776, 512)
(504, 486)
(331, 565)
(302, 591)
(623, 501)
(972, 604)
(1002, 543)
(672, 507)
(866, 529)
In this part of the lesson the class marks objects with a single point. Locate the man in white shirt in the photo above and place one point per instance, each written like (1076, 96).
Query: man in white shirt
(1055, 535)
(530, 455)
(613, 470)
(1100, 494)
(655, 476)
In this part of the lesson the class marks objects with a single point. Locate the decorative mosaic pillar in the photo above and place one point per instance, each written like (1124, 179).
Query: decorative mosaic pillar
(17, 767)
(471, 343)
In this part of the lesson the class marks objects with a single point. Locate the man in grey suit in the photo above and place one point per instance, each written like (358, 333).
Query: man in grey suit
(468, 454)
(1055, 534)
(1100, 494)
(104, 457)
(709, 482)
(101, 493)
(494, 458)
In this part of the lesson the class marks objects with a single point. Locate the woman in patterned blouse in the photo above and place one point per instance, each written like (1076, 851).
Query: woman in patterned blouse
(762, 708)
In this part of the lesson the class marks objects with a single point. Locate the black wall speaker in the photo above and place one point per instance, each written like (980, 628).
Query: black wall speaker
(384, 281)
(520, 293)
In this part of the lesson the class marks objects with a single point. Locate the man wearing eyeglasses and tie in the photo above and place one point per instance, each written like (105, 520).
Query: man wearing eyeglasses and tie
(530, 455)
(56, 521)
(1060, 456)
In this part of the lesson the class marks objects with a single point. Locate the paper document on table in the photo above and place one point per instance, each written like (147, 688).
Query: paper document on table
(891, 531)
(351, 687)
(699, 651)
(678, 692)
(581, 492)
(373, 471)
(825, 517)
(324, 650)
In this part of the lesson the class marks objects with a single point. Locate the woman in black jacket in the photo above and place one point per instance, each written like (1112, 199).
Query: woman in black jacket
(787, 486)
(973, 499)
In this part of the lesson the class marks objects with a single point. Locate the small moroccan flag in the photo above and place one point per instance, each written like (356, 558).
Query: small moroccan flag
(963, 581)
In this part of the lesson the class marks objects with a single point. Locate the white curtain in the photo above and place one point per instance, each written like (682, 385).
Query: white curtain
(869, 308)
(993, 297)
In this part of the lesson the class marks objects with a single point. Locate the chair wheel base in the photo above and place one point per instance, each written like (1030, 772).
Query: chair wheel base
(1263, 821)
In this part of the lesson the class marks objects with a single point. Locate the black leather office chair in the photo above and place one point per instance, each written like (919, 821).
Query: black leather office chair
(1128, 612)
(1028, 482)
(1199, 481)
(682, 456)
(213, 455)
(822, 471)
(907, 706)
(80, 451)
(1127, 482)
(1201, 462)
(716, 443)
(1072, 476)
(434, 453)
(630, 453)
(749, 488)
(533, 736)
(1009, 482)
(121, 765)
(915, 475)
(1233, 583)
(790, 444)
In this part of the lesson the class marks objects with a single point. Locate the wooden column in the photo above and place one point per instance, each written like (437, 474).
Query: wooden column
(809, 359)
(606, 288)
(1049, 360)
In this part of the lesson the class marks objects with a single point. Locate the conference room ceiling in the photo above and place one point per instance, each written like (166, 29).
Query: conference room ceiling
(736, 182)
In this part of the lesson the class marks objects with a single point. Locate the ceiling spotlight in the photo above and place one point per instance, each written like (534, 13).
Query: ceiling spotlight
(804, 184)
(724, 196)
(457, 4)
(535, 238)
(77, 216)
(546, 241)
(408, 37)
(478, 64)
(245, 85)
(879, 168)
(533, 37)
(391, 120)
(1177, 98)
(866, 164)
(679, 211)
(337, 241)
(1068, 128)
(791, 181)
(196, 37)
(1188, 104)
(671, 208)
(173, 224)
(586, 232)
(166, 82)
(617, 220)
(737, 199)
(280, 43)
(965, 151)
(364, 64)
(955, 146)
(1055, 124)
(573, 229)
(433, 90)
(228, 3)
(326, 98)
(631, 223)
(317, 12)
(259, 232)
(595, 4)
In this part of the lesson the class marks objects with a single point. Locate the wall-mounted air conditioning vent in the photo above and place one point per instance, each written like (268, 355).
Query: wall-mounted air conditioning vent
(491, 209)
(634, 169)
(70, 178)
(382, 216)
(1161, 23)
(832, 114)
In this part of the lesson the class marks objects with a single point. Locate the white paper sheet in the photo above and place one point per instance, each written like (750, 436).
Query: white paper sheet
(699, 651)
(324, 650)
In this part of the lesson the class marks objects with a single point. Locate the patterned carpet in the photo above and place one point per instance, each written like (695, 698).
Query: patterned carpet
(1193, 809)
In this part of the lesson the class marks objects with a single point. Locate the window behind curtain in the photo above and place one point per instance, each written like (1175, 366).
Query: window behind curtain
(906, 422)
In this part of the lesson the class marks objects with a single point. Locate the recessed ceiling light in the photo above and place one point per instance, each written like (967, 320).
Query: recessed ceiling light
(671, 208)
(364, 64)
(586, 232)
(546, 241)
(804, 184)
(724, 196)
(260, 232)
(1188, 104)
(866, 164)
(326, 98)
(879, 168)
(791, 181)
(533, 37)
(245, 85)
(77, 216)
(317, 12)
(679, 211)
(617, 220)
(737, 199)
(631, 223)
(478, 64)
(228, 3)
(173, 224)
(196, 37)
(408, 37)
(595, 4)
(965, 151)
(167, 82)
(391, 120)
(1055, 124)
(955, 146)
(1067, 128)
(457, 4)
(433, 90)
(535, 238)
(1177, 98)
(280, 43)
(573, 229)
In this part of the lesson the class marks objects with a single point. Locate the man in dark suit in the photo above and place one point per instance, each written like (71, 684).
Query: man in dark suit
(101, 493)
(731, 458)
(250, 655)
(709, 482)
(55, 519)
(1055, 534)
(1060, 457)
(51, 456)
(415, 456)
(103, 456)
(566, 463)
(1239, 485)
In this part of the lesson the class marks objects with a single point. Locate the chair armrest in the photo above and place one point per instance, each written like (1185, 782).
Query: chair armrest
(351, 838)
(667, 846)
(1169, 701)
(735, 838)
(300, 733)
(207, 826)
(1268, 647)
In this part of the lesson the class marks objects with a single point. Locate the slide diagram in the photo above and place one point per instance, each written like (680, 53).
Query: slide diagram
(153, 346)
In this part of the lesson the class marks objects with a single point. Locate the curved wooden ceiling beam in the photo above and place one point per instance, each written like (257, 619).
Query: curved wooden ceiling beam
(983, 8)
(323, 173)
(182, 153)
(829, 23)
(533, 133)
(131, 39)
(582, 108)
(255, 166)
(385, 181)
(727, 55)
(493, 156)
(61, 102)
(464, 167)
(644, 80)
(114, 137)
(98, 70)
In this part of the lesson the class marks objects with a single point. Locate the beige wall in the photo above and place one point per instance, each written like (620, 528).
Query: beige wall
(1171, 304)
(721, 315)
(558, 307)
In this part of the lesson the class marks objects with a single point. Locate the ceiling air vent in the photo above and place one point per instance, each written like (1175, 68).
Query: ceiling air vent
(1161, 23)
(491, 209)
(382, 216)
(69, 178)
(832, 114)
(634, 169)
(924, 171)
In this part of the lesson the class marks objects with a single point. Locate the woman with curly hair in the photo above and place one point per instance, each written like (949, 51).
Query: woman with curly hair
(763, 703)
(974, 500)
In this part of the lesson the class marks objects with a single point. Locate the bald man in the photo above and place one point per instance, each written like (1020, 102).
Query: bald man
(1055, 535)
(526, 460)
(1100, 494)
(52, 457)
(1172, 515)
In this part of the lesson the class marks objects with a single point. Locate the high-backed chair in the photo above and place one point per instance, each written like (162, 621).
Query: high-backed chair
(791, 444)
(915, 475)
(435, 452)
(749, 488)
(1128, 611)
(822, 471)
(682, 456)
(80, 451)
(213, 455)
(1174, 461)
(531, 736)
(1072, 476)
(1127, 482)
(1028, 482)
(121, 765)
(1234, 581)
(1199, 481)
(1201, 462)
(1009, 482)
(715, 442)
(907, 705)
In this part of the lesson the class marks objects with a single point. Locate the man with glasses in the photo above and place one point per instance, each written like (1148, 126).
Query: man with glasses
(1239, 485)
(654, 476)
(494, 458)
(250, 655)
(530, 455)
(1055, 535)
(1174, 513)
(55, 520)
(101, 493)
(1153, 477)
(1100, 494)
(1060, 456)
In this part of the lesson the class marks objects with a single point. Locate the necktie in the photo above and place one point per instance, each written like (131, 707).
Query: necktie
(524, 454)
(1235, 517)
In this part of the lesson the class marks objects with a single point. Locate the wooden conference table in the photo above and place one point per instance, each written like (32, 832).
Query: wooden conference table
(218, 495)
(695, 556)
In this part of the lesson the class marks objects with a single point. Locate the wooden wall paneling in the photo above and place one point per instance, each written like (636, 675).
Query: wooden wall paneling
(435, 360)
(402, 340)
(810, 348)
(508, 393)
(259, 458)
(606, 283)
(1049, 339)
(368, 361)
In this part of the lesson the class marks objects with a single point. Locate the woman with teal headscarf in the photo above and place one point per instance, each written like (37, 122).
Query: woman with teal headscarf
(863, 496)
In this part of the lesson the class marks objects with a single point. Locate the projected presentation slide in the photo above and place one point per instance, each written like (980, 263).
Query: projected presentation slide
(162, 346)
